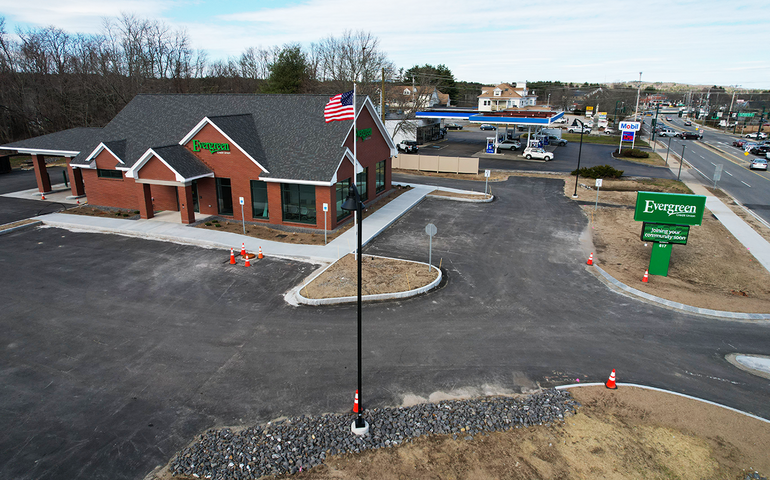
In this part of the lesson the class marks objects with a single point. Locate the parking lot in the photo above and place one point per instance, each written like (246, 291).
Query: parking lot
(118, 351)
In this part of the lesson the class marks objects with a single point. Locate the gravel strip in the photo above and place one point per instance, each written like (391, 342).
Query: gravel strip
(299, 443)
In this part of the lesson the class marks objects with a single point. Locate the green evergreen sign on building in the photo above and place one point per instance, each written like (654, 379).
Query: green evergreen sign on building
(667, 218)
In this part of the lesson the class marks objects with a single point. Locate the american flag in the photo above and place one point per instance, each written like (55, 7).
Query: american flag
(340, 107)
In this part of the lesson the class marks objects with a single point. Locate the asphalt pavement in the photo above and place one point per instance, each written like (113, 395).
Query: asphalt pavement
(118, 351)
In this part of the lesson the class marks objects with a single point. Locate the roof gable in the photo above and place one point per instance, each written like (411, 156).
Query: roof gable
(184, 166)
(238, 130)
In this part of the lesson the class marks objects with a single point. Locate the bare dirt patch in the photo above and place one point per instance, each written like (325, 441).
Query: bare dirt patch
(627, 433)
(758, 226)
(297, 237)
(443, 193)
(378, 275)
(712, 271)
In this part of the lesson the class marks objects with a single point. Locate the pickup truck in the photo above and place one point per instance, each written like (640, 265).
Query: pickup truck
(576, 129)
(407, 146)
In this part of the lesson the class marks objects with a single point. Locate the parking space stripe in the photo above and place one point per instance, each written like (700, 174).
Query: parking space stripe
(745, 184)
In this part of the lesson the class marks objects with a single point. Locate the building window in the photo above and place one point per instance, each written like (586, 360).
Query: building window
(342, 189)
(224, 196)
(298, 203)
(361, 184)
(259, 199)
(379, 182)
(498, 92)
(102, 173)
(487, 103)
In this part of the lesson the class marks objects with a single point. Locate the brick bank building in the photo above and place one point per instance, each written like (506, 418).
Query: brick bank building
(201, 153)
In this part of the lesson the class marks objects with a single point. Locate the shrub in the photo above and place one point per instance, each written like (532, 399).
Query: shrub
(217, 225)
(599, 171)
(632, 152)
(208, 224)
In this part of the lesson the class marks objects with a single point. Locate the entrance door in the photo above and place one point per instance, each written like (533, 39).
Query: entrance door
(194, 188)
(224, 196)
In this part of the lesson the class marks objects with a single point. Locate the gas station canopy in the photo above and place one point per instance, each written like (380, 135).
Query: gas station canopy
(513, 117)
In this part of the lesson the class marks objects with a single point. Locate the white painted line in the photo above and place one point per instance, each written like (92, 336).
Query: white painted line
(745, 184)
(711, 163)
(728, 173)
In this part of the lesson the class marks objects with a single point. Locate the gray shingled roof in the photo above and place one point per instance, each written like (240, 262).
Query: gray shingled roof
(72, 140)
(286, 134)
(182, 161)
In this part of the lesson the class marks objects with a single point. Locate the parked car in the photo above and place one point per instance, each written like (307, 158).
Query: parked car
(758, 164)
(554, 140)
(509, 145)
(687, 123)
(454, 126)
(691, 135)
(534, 152)
(576, 129)
(408, 146)
(609, 131)
(756, 135)
(486, 126)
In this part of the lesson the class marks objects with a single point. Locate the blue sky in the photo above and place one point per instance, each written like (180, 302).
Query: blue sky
(699, 42)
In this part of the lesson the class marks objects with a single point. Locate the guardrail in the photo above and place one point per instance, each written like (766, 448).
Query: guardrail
(431, 163)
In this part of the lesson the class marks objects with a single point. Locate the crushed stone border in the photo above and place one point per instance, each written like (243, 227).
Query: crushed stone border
(4, 230)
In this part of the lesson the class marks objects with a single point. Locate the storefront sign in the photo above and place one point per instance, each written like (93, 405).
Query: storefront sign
(628, 136)
(656, 232)
(630, 126)
(669, 208)
(211, 147)
(364, 133)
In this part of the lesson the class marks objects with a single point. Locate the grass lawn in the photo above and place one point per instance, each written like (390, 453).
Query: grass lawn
(600, 139)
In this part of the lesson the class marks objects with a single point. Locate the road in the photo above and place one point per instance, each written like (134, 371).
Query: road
(750, 187)
(118, 351)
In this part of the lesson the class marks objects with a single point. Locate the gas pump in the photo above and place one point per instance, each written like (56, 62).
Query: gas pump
(491, 144)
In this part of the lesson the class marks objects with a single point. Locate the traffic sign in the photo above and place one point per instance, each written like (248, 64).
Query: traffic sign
(598, 182)
(630, 126)
(240, 200)
(487, 173)
(430, 229)
(326, 207)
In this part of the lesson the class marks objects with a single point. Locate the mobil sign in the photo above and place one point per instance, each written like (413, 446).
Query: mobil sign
(630, 126)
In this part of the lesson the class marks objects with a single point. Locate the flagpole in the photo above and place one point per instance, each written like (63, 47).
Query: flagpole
(355, 157)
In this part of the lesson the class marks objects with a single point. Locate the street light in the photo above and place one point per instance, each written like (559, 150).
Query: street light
(580, 151)
(353, 204)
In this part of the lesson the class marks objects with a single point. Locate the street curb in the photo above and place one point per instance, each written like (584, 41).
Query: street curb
(366, 298)
(468, 200)
(681, 306)
(19, 227)
(574, 385)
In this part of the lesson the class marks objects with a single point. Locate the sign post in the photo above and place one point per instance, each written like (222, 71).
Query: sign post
(486, 180)
(667, 219)
(598, 186)
(326, 209)
(431, 230)
(718, 174)
(243, 218)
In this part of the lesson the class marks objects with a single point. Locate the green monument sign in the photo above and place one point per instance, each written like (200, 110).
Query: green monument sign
(667, 218)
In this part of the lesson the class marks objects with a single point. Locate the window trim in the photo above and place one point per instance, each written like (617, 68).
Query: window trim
(111, 174)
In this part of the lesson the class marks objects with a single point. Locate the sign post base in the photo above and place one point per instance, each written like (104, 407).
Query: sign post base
(661, 254)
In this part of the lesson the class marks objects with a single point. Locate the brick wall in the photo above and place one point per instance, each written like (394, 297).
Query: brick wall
(110, 192)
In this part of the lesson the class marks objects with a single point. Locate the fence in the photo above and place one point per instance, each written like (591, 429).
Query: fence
(432, 163)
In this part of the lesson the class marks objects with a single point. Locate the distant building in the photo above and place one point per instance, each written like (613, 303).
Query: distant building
(505, 97)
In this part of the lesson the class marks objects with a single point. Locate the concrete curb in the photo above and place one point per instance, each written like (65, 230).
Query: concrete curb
(3, 231)
(366, 298)
(681, 306)
(574, 385)
(469, 200)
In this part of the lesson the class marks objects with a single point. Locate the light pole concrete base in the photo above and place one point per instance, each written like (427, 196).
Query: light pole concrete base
(359, 431)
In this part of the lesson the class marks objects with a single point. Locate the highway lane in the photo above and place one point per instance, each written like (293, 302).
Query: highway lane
(750, 187)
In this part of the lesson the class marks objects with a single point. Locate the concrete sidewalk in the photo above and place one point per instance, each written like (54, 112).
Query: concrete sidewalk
(749, 238)
(176, 232)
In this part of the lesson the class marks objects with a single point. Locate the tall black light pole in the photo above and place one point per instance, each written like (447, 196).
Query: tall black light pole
(353, 203)
(580, 151)
(681, 161)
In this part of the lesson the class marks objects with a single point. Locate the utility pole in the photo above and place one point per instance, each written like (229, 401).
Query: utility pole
(382, 97)
(638, 92)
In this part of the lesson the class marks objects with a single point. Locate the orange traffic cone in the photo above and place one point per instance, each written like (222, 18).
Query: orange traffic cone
(247, 264)
(78, 201)
(355, 403)
(42, 196)
(590, 259)
(646, 276)
(260, 253)
(611, 381)
(232, 257)
(243, 249)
